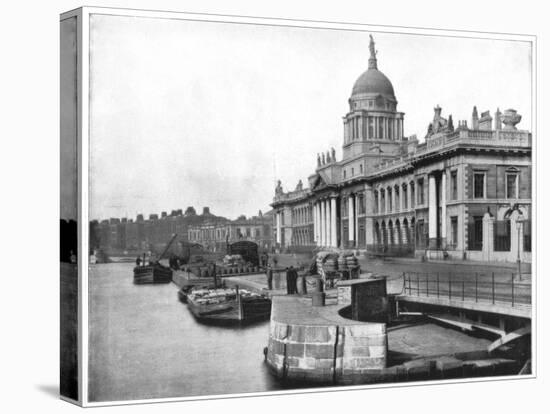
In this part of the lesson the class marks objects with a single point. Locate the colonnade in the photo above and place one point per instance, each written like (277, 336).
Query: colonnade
(373, 127)
(325, 229)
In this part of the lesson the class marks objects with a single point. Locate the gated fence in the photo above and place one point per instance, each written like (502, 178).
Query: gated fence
(478, 287)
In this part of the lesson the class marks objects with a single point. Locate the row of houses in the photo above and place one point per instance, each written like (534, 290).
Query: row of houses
(210, 231)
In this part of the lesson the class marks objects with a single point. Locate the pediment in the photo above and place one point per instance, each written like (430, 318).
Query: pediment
(319, 183)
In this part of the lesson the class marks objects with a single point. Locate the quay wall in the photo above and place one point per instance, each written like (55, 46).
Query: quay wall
(332, 352)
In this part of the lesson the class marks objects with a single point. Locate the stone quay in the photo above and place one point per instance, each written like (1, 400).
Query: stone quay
(318, 345)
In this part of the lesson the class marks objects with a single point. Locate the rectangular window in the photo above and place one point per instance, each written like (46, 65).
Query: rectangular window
(454, 230)
(511, 185)
(475, 233)
(361, 168)
(344, 174)
(397, 199)
(454, 185)
(352, 171)
(361, 204)
(502, 235)
(527, 235)
(405, 201)
(412, 195)
(479, 185)
(390, 207)
(420, 191)
(375, 207)
(380, 128)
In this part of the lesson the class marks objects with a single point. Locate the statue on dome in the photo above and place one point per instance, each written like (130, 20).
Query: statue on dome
(279, 188)
(333, 154)
(299, 186)
(372, 59)
(372, 50)
(323, 158)
(318, 160)
(328, 157)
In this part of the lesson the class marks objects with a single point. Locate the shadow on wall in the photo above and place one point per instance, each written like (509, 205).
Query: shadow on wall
(68, 240)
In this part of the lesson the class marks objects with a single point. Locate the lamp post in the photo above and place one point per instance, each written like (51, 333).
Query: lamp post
(519, 223)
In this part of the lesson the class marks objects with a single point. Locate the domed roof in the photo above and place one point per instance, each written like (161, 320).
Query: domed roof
(372, 81)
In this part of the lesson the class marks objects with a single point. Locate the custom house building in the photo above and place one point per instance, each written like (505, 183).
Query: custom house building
(464, 193)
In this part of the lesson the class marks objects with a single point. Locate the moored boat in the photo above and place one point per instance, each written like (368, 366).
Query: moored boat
(154, 272)
(228, 305)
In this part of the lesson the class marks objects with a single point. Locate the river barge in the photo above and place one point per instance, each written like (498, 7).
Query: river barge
(155, 272)
(228, 305)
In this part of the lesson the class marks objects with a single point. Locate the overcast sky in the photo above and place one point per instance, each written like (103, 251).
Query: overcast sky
(212, 114)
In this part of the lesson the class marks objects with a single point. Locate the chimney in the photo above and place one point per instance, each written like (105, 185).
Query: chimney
(475, 119)
(486, 121)
(498, 121)
(139, 218)
(205, 210)
(164, 214)
(190, 211)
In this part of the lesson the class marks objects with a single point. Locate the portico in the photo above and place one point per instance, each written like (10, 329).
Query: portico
(325, 225)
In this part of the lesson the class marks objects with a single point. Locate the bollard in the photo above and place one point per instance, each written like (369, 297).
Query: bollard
(318, 286)
(304, 285)
(318, 299)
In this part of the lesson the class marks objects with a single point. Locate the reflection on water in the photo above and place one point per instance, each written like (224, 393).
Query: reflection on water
(144, 343)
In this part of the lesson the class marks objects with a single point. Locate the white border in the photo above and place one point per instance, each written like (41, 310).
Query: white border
(83, 16)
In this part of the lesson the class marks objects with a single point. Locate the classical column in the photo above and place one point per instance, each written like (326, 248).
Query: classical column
(333, 238)
(432, 212)
(351, 219)
(327, 221)
(317, 223)
(278, 226)
(444, 208)
(356, 217)
(314, 224)
(320, 222)
(323, 223)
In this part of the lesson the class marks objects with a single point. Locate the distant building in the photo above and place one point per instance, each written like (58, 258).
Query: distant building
(116, 234)
(463, 193)
(215, 236)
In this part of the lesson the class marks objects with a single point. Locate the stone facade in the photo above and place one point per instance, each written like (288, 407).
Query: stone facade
(214, 236)
(393, 195)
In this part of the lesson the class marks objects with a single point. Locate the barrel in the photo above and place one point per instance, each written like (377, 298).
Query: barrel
(331, 265)
(351, 261)
(342, 263)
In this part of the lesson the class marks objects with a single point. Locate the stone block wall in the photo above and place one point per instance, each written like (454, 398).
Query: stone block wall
(326, 354)
(344, 295)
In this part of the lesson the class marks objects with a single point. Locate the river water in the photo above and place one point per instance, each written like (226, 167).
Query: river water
(144, 343)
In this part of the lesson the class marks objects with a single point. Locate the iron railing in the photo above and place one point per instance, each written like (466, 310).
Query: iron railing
(477, 287)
